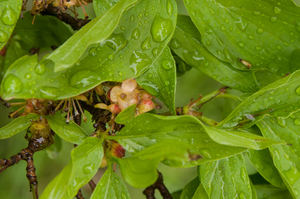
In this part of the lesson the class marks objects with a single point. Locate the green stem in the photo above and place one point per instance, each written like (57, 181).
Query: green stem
(206, 120)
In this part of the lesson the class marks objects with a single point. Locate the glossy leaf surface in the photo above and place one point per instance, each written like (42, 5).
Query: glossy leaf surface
(69, 132)
(9, 15)
(110, 186)
(118, 58)
(126, 115)
(86, 159)
(285, 157)
(280, 99)
(17, 125)
(268, 191)
(101, 6)
(140, 169)
(200, 193)
(186, 43)
(94, 32)
(263, 163)
(190, 189)
(141, 133)
(160, 79)
(264, 33)
(226, 178)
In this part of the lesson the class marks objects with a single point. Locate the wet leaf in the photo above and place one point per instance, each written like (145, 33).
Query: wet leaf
(69, 132)
(285, 157)
(17, 125)
(200, 193)
(280, 99)
(110, 186)
(141, 133)
(186, 43)
(140, 169)
(101, 6)
(246, 30)
(160, 79)
(54, 150)
(9, 13)
(126, 115)
(226, 178)
(94, 32)
(86, 159)
(269, 191)
(118, 58)
(190, 189)
(263, 163)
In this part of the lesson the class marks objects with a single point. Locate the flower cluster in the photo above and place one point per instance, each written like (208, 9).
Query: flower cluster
(126, 95)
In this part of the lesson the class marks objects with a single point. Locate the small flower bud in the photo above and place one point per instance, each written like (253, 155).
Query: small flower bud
(114, 93)
(117, 150)
(101, 105)
(99, 89)
(128, 85)
(145, 95)
(114, 108)
(103, 162)
(145, 106)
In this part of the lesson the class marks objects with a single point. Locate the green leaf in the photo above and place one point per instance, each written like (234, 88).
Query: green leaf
(9, 13)
(140, 169)
(264, 33)
(280, 99)
(190, 189)
(238, 138)
(186, 43)
(226, 178)
(160, 79)
(118, 58)
(86, 159)
(54, 150)
(17, 125)
(69, 132)
(141, 133)
(271, 192)
(110, 186)
(286, 158)
(94, 32)
(126, 115)
(263, 163)
(200, 193)
(101, 6)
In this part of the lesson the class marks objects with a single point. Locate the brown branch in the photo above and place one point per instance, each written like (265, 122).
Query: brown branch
(76, 24)
(159, 184)
(79, 195)
(92, 184)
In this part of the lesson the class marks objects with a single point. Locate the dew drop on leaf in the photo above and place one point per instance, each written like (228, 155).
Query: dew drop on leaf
(298, 90)
(3, 36)
(161, 28)
(9, 16)
(146, 44)
(167, 64)
(136, 34)
(206, 153)
(297, 122)
(260, 30)
(150, 88)
(93, 52)
(116, 42)
(12, 84)
(273, 19)
(169, 7)
(277, 10)
(154, 51)
(40, 69)
(27, 76)
(139, 61)
(87, 169)
(175, 43)
(116, 181)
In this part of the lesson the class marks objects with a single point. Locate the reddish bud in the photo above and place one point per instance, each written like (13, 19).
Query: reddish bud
(117, 150)
(128, 85)
(145, 106)
(114, 108)
(145, 95)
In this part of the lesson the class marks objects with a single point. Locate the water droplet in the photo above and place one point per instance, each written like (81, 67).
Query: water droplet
(277, 10)
(206, 153)
(117, 181)
(132, 18)
(260, 30)
(244, 175)
(273, 19)
(27, 76)
(161, 28)
(136, 34)
(124, 195)
(40, 69)
(279, 47)
(167, 64)
(175, 43)
(49, 92)
(116, 42)
(169, 7)
(150, 88)
(87, 169)
(146, 44)
(241, 24)
(167, 83)
(110, 57)
(242, 44)
(139, 62)
(223, 28)
(9, 16)
(120, 73)
(12, 84)
(3, 36)
(155, 51)
(297, 122)
(122, 28)
(83, 78)
(281, 121)
(298, 90)
(93, 52)
(229, 57)
(208, 42)
(242, 195)
(256, 12)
